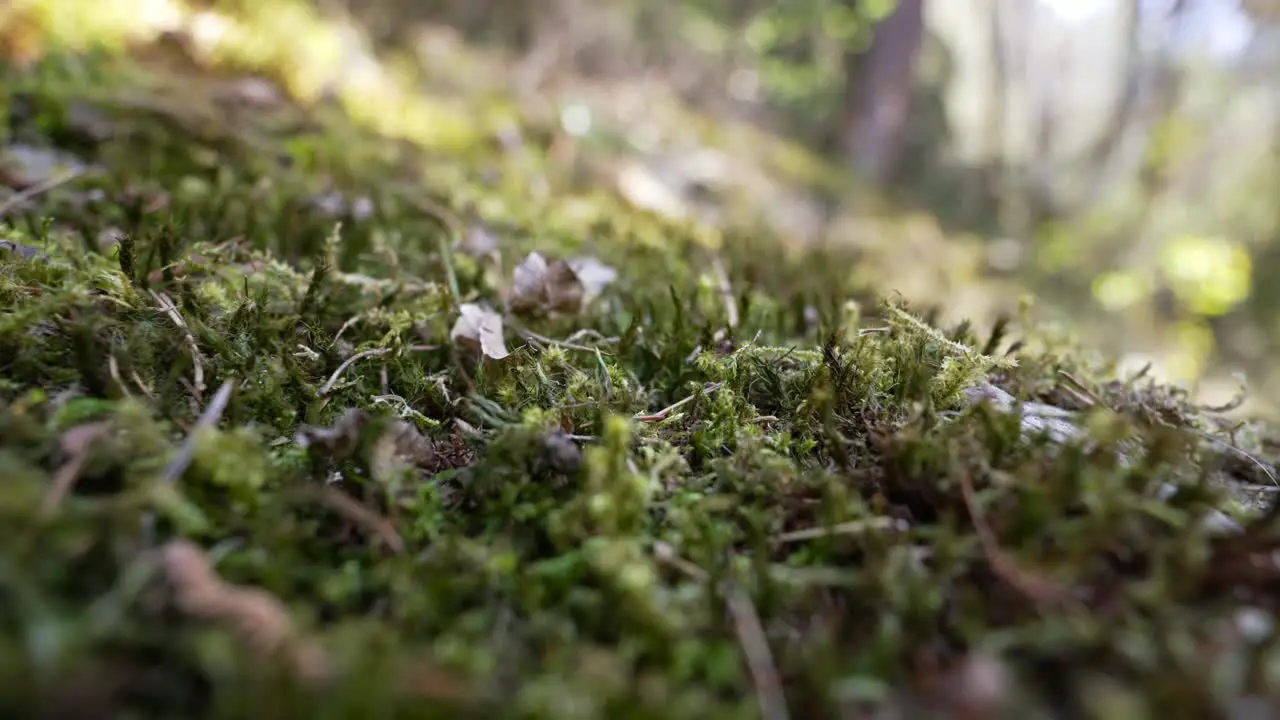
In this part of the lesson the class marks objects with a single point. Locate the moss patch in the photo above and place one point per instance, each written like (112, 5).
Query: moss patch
(292, 423)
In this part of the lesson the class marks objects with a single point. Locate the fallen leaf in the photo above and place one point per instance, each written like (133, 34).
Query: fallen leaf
(593, 274)
(252, 92)
(341, 439)
(22, 166)
(537, 286)
(9, 247)
(480, 328)
(388, 445)
(479, 242)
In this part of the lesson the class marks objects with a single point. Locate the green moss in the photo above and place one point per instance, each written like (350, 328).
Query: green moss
(198, 343)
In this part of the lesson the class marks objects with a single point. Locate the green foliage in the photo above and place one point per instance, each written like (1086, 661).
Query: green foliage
(209, 365)
(799, 49)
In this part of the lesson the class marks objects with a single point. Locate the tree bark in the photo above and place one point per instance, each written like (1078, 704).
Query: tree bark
(880, 85)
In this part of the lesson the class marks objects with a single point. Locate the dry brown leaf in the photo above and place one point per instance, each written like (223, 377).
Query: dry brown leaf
(538, 287)
(339, 440)
(481, 328)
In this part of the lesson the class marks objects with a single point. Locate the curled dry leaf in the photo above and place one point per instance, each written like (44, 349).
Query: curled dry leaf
(478, 242)
(480, 328)
(401, 446)
(341, 440)
(541, 287)
(407, 442)
(593, 274)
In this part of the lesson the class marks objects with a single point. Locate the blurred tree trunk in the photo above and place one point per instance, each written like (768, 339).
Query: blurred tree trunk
(880, 84)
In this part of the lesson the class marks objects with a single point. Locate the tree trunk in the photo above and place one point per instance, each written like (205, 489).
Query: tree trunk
(880, 85)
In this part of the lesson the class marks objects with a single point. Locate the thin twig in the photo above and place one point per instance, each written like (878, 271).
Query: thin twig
(77, 442)
(306, 352)
(588, 332)
(1253, 487)
(725, 288)
(1033, 587)
(41, 187)
(346, 325)
(1081, 391)
(208, 419)
(146, 390)
(171, 310)
(755, 647)
(665, 554)
(113, 367)
(324, 389)
(375, 524)
(1241, 452)
(453, 229)
(463, 375)
(403, 407)
(750, 633)
(853, 527)
(533, 336)
(664, 412)
(1141, 373)
(63, 481)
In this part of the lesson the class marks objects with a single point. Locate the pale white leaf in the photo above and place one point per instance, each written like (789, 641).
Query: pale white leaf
(480, 327)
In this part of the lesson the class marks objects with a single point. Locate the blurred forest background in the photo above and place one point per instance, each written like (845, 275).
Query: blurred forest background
(1118, 160)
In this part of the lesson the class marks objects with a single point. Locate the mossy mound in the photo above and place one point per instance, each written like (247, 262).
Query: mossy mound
(293, 424)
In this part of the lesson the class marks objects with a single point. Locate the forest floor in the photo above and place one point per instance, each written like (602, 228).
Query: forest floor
(307, 413)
